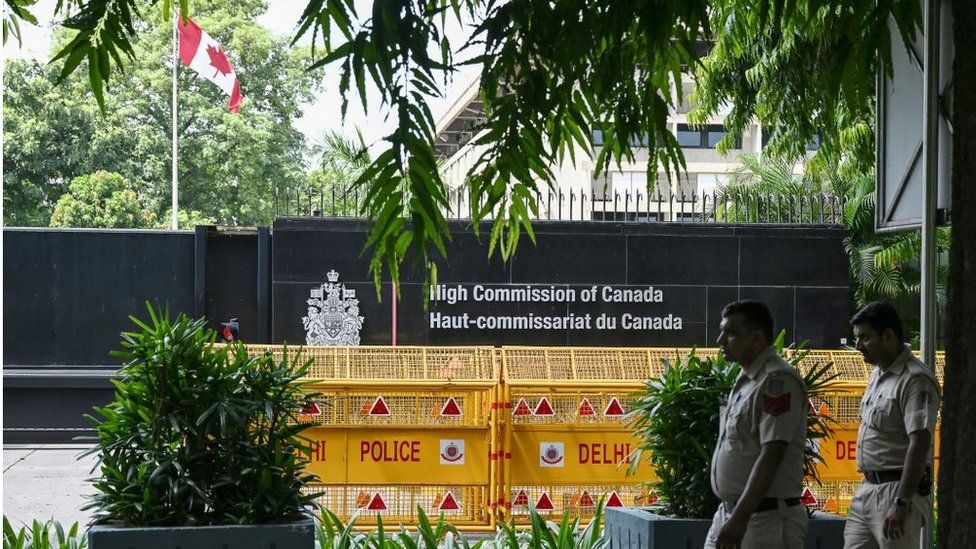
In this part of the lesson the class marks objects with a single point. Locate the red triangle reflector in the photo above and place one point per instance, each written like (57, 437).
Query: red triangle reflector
(450, 408)
(379, 408)
(808, 498)
(614, 500)
(544, 408)
(450, 503)
(586, 500)
(311, 409)
(521, 498)
(586, 409)
(544, 503)
(521, 408)
(377, 503)
(614, 408)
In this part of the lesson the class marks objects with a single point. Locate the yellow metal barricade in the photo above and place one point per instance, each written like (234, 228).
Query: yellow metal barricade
(482, 433)
(566, 443)
(402, 428)
(561, 379)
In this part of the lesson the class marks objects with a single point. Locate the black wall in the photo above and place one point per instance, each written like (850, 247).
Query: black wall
(66, 296)
(800, 272)
(68, 293)
(232, 278)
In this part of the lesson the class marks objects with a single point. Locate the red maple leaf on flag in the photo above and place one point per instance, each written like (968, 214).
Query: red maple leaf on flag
(218, 60)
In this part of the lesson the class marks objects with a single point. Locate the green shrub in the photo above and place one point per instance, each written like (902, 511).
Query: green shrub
(675, 418)
(199, 433)
(545, 534)
(43, 535)
(332, 533)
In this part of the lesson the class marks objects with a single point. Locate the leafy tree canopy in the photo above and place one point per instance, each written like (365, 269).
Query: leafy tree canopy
(101, 199)
(229, 164)
(550, 72)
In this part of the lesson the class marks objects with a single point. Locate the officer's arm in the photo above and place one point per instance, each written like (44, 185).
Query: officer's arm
(760, 479)
(920, 403)
(915, 458)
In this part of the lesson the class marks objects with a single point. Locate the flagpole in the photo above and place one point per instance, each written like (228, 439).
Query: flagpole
(176, 60)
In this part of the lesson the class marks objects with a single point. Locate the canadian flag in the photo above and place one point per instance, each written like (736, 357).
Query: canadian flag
(203, 54)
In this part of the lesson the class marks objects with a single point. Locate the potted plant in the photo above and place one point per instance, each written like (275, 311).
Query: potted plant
(675, 418)
(201, 447)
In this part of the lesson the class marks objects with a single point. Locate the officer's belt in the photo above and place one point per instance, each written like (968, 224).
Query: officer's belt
(881, 477)
(767, 504)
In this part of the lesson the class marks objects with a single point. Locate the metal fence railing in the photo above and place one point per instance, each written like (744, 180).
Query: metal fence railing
(581, 204)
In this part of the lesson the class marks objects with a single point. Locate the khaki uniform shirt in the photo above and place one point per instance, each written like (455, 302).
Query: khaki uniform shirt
(899, 400)
(767, 404)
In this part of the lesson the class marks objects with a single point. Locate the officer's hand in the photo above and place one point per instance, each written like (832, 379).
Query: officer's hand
(894, 522)
(731, 534)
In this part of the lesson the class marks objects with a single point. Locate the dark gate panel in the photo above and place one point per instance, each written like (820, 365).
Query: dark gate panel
(68, 293)
(232, 279)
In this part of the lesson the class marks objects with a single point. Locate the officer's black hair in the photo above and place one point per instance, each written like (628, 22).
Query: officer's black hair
(755, 313)
(880, 315)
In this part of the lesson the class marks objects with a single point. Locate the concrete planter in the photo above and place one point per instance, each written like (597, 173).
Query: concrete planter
(642, 529)
(825, 531)
(298, 534)
(636, 528)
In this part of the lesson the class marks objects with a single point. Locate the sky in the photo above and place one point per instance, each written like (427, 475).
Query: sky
(281, 17)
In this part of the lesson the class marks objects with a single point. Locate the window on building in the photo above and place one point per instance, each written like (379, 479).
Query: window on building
(634, 183)
(715, 134)
(685, 186)
(598, 141)
(708, 183)
(689, 138)
(814, 144)
(702, 138)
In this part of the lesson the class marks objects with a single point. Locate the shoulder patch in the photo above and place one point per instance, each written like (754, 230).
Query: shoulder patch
(776, 405)
(924, 399)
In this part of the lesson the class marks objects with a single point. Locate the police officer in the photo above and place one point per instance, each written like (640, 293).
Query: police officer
(757, 467)
(894, 441)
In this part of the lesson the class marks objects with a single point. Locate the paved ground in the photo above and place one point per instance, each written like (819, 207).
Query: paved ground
(44, 482)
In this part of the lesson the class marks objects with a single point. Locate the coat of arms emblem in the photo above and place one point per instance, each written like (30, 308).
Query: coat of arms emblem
(333, 314)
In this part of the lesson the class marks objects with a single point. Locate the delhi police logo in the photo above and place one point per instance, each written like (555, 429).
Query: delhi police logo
(452, 451)
(333, 314)
(551, 454)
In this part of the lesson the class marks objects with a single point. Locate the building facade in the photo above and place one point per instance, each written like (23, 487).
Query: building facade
(621, 193)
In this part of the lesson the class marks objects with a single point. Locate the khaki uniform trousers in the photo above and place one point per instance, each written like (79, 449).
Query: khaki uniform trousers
(783, 528)
(865, 518)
